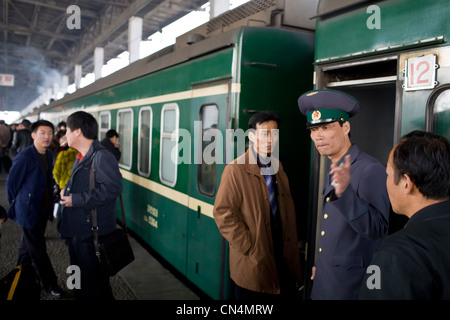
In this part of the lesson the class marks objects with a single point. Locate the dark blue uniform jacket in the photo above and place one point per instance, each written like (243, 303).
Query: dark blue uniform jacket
(26, 186)
(108, 186)
(352, 228)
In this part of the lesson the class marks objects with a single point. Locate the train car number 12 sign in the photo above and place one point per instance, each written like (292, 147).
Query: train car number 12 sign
(421, 73)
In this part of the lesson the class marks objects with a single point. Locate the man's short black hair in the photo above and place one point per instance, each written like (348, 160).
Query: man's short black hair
(111, 133)
(41, 123)
(26, 123)
(261, 117)
(425, 158)
(62, 124)
(84, 121)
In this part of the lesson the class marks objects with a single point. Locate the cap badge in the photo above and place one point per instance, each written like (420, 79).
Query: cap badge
(316, 115)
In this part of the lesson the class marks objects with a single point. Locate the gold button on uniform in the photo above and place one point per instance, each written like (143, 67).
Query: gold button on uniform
(320, 249)
(325, 216)
(322, 233)
(327, 199)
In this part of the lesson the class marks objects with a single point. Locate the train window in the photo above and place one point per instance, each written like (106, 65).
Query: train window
(441, 114)
(207, 170)
(169, 126)
(105, 123)
(145, 139)
(125, 130)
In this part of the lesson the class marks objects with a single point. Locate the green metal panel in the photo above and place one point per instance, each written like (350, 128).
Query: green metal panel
(173, 234)
(401, 22)
(276, 68)
(204, 239)
(168, 236)
(175, 79)
(413, 115)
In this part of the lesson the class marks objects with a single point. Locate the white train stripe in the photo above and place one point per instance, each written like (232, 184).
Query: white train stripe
(174, 195)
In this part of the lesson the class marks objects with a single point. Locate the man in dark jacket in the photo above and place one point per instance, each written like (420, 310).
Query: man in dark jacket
(29, 186)
(78, 201)
(111, 142)
(414, 262)
(355, 208)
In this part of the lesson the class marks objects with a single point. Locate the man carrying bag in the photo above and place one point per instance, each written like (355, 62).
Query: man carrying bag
(79, 199)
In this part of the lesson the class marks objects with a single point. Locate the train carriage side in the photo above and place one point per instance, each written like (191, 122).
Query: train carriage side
(164, 113)
(393, 56)
(269, 66)
(146, 112)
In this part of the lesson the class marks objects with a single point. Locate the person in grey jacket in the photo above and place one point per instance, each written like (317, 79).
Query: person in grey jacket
(78, 200)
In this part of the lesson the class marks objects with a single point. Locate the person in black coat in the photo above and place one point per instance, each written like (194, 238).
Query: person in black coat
(111, 143)
(414, 263)
(78, 200)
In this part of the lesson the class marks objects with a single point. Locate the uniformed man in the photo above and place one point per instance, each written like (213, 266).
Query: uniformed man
(356, 205)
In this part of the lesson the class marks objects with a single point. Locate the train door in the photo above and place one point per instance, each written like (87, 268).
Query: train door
(207, 251)
(375, 129)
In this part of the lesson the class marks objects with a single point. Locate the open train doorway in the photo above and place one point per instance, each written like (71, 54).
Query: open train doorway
(376, 129)
(372, 129)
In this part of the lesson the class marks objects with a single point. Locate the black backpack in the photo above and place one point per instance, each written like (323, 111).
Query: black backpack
(20, 283)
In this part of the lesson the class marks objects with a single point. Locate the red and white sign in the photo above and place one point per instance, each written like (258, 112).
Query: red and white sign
(6, 80)
(421, 73)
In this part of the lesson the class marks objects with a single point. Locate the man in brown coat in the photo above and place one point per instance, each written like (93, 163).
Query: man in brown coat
(255, 213)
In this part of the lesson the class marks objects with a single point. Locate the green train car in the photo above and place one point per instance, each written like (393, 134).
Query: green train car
(394, 57)
(162, 105)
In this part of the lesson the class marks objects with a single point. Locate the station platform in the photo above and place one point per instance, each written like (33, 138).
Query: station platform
(146, 278)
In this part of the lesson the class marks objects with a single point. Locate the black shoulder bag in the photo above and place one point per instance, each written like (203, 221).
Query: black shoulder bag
(113, 251)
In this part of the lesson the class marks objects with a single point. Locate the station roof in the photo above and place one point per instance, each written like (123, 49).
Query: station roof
(36, 44)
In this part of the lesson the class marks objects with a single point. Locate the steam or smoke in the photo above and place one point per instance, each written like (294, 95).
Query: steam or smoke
(37, 79)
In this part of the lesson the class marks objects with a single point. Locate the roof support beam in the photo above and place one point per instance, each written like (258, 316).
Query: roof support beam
(120, 22)
(27, 31)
